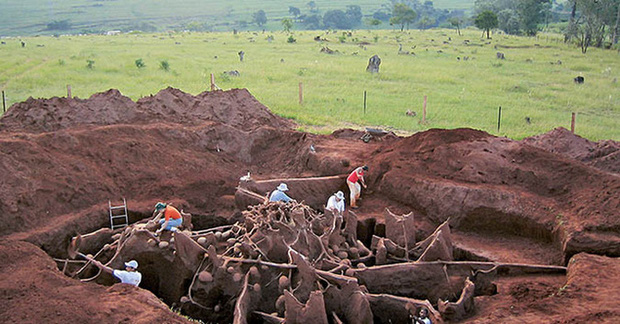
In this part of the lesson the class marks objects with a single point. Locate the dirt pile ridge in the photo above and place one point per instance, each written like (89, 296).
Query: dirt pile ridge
(63, 159)
(236, 108)
(603, 155)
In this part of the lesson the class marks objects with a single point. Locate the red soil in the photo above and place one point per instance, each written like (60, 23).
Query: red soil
(541, 200)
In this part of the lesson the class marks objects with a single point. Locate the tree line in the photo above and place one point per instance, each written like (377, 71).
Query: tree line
(402, 14)
(585, 22)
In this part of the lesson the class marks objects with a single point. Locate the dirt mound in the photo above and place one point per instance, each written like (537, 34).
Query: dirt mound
(603, 155)
(236, 108)
(486, 183)
(36, 292)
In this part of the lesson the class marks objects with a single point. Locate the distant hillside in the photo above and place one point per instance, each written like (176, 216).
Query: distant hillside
(53, 17)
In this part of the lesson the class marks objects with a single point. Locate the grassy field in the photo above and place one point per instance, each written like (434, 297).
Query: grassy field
(461, 93)
(30, 17)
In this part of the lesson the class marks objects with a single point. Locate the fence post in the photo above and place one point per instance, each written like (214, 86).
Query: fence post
(68, 91)
(301, 93)
(572, 123)
(364, 102)
(424, 110)
(499, 118)
(3, 103)
(212, 82)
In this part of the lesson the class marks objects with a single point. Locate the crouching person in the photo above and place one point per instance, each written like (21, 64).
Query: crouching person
(171, 220)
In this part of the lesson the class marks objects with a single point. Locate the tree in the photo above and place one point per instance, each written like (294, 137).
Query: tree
(294, 11)
(312, 6)
(336, 19)
(381, 15)
(311, 22)
(259, 17)
(425, 22)
(456, 22)
(402, 15)
(530, 14)
(354, 14)
(508, 21)
(287, 24)
(486, 21)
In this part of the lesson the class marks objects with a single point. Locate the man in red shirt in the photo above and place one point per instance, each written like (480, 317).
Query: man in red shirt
(353, 181)
(172, 218)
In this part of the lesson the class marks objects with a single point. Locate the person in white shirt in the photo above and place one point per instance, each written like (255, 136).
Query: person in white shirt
(335, 203)
(129, 276)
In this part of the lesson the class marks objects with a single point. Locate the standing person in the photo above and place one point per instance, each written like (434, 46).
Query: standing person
(129, 276)
(172, 218)
(279, 195)
(335, 203)
(353, 181)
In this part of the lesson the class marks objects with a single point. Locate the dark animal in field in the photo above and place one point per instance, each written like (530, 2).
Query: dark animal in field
(373, 64)
(500, 56)
(579, 80)
(528, 120)
(410, 113)
(234, 73)
(241, 55)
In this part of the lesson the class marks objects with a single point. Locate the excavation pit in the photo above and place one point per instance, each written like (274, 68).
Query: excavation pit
(499, 226)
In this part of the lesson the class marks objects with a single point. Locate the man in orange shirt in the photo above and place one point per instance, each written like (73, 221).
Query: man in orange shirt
(172, 218)
(353, 181)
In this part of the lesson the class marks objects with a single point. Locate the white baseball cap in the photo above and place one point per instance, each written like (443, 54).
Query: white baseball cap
(282, 187)
(340, 195)
(132, 264)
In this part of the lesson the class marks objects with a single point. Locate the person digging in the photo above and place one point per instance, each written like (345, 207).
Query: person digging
(129, 276)
(353, 181)
(335, 204)
(280, 195)
(171, 220)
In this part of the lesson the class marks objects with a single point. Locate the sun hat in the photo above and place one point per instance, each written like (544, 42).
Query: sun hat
(282, 187)
(132, 264)
(160, 205)
(340, 195)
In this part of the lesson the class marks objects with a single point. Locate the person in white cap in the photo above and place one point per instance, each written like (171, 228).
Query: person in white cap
(335, 203)
(129, 276)
(279, 195)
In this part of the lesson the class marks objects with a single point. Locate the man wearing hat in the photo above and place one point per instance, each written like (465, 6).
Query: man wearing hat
(172, 218)
(335, 203)
(353, 181)
(279, 195)
(129, 276)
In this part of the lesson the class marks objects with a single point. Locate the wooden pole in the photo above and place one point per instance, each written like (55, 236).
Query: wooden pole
(364, 102)
(301, 93)
(3, 102)
(499, 118)
(424, 110)
(68, 91)
(572, 123)
(212, 82)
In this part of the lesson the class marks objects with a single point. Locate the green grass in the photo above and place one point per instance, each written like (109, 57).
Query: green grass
(460, 93)
(30, 17)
